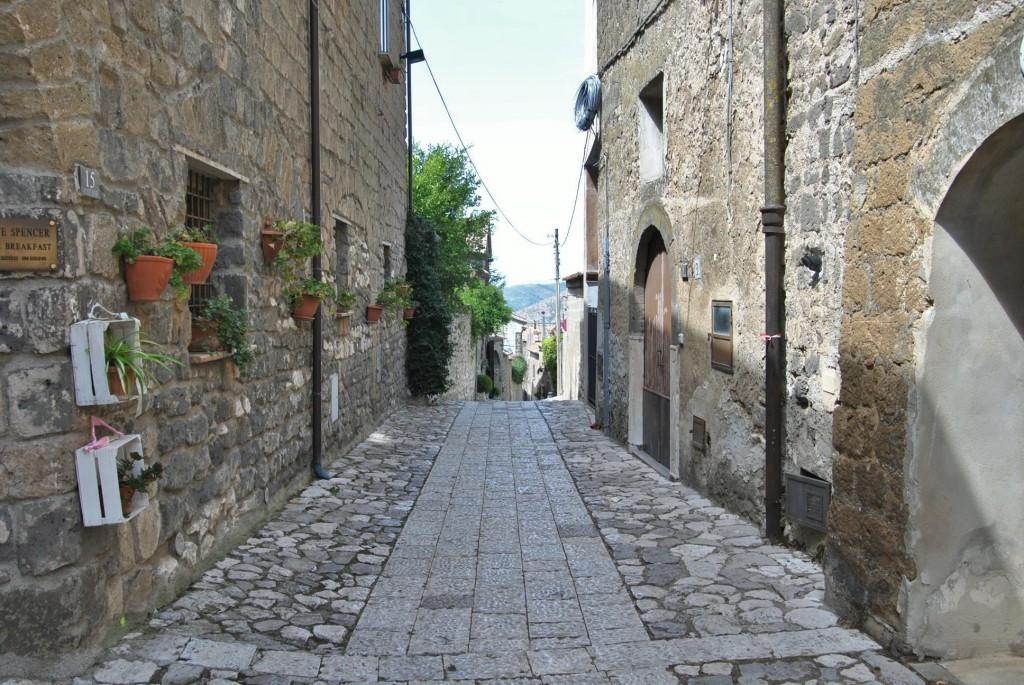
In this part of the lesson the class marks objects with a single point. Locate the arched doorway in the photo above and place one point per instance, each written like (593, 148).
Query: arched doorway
(651, 323)
(967, 468)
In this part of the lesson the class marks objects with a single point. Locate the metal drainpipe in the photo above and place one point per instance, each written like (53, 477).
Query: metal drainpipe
(408, 105)
(606, 324)
(773, 225)
(314, 125)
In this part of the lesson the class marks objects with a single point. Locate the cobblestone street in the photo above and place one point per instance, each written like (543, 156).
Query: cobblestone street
(500, 542)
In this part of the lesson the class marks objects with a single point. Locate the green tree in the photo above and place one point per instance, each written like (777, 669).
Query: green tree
(428, 334)
(549, 353)
(486, 303)
(445, 195)
(518, 369)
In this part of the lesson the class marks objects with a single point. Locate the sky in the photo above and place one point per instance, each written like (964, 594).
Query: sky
(509, 72)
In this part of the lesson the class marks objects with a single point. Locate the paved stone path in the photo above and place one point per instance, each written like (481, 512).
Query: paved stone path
(500, 543)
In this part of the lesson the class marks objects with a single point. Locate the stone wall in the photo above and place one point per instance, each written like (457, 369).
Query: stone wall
(903, 554)
(462, 367)
(821, 40)
(142, 92)
(706, 210)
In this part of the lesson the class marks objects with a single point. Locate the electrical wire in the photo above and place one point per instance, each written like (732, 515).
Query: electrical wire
(465, 149)
(579, 182)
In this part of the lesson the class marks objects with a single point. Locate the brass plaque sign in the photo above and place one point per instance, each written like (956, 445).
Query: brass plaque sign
(28, 244)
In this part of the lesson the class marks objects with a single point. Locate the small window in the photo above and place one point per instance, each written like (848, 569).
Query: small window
(652, 130)
(721, 335)
(385, 38)
(199, 211)
(341, 249)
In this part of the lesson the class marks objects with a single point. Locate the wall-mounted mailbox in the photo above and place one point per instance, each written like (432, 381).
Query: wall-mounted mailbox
(807, 501)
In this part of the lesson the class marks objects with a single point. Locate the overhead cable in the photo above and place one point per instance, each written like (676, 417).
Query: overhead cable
(465, 149)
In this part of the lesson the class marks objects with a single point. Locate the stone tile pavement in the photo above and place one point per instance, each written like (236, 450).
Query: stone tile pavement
(500, 543)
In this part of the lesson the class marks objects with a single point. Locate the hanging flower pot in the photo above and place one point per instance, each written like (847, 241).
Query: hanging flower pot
(147, 277)
(409, 312)
(204, 337)
(271, 242)
(394, 75)
(208, 251)
(373, 312)
(305, 306)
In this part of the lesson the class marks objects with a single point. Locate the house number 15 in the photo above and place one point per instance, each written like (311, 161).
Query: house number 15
(88, 181)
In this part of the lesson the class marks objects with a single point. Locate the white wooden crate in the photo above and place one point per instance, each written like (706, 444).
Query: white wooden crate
(88, 340)
(97, 481)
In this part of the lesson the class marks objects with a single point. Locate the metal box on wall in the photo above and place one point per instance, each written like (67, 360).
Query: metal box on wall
(807, 501)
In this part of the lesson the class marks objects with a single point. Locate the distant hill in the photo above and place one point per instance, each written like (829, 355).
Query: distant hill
(521, 297)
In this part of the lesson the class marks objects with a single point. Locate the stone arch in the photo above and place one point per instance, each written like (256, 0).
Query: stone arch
(965, 485)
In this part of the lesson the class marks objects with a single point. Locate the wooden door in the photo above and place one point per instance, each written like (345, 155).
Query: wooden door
(657, 338)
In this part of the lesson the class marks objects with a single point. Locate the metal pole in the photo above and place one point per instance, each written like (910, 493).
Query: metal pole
(558, 321)
(773, 225)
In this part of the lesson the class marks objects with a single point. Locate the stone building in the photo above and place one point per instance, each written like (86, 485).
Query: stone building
(126, 114)
(901, 382)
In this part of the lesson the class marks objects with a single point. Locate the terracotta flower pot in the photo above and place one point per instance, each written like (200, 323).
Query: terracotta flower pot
(305, 309)
(118, 389)
(409, 312)
(147, 277)
(208, 251)
(204, 337)
(271, 242)
(373, 312)
(127, 493)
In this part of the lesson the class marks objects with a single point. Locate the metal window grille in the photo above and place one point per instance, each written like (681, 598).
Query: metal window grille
(199, 213)
(198, 200)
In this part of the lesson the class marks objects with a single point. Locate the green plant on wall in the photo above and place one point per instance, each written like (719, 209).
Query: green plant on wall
(429, 334)
(518, 369)
(232, 328)
(300, 243)
(549, 351)
(396, 294)
(135, 366)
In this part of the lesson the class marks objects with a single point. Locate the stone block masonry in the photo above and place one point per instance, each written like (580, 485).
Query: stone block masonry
(144, 93)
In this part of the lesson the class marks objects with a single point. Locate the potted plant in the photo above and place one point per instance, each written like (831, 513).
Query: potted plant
(410, 310)
(129, 366)
(132, 478)
(219, 324)
(150, 266)
(396, 294)
(145, 272)
(307, 297)
(346, 300)
(203, 241)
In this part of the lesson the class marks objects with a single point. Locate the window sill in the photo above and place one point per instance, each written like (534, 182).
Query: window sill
(206, 357)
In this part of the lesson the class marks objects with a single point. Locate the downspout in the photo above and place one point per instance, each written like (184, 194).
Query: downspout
(773, 225)
(408, 105)
(318, 273)
(606, 324)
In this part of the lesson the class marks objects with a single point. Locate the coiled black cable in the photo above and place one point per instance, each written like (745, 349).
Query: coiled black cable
(588, 101)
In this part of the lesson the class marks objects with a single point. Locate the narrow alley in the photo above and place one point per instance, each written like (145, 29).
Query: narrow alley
(500, 542)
